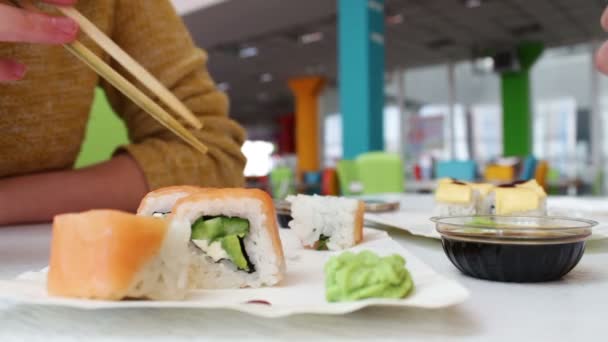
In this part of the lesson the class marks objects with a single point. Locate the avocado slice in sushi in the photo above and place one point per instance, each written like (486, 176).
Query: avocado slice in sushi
(226, 231)
(236, 226)
(207, 229)
(232, 245)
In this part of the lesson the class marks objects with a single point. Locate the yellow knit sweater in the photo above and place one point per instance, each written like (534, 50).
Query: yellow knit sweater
(43, 117)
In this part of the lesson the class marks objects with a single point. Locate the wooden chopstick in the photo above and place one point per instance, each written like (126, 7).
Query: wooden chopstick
(125, 87)
(134, 94)
(138, 71)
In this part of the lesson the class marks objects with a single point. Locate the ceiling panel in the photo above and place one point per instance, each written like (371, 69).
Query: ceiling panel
(431, 32)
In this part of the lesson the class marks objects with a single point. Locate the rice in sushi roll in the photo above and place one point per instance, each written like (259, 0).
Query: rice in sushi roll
(483, 191)
(455, 199)
(112, 255)
(327, 222)
(234, 239)
(158, 203)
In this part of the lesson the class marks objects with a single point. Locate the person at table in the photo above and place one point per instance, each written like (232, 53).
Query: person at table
(601, 56)
(46, 95)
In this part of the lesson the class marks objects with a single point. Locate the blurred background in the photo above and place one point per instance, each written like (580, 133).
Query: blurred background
(351, 96)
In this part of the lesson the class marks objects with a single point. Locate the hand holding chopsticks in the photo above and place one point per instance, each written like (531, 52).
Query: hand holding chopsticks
(124, 86)
(17, 25)
(131, 65)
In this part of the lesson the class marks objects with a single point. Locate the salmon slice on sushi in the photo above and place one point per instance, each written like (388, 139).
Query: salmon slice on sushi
(112, 255)
(158, 203)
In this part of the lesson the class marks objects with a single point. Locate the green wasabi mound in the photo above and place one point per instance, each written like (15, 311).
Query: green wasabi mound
(350, 277)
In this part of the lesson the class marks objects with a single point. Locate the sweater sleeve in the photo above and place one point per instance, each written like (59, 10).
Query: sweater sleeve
(154, 35)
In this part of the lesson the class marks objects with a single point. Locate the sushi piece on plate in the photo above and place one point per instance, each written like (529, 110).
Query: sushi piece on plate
(159, 202)
(283, 209)
(455, 199)
(532, 185)
(483, 191)
(327, 222)
(111, 255)
(511, 200)
(234, 238)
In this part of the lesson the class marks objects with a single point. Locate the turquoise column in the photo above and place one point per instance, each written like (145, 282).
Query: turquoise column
(361, 75)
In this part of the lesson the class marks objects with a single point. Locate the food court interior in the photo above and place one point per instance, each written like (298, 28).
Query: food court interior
(420, 90)
(378, 100)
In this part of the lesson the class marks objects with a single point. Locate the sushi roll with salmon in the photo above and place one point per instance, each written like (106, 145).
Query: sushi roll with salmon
(112, 255)
(234, 238)
(327, 222)
(158, 203)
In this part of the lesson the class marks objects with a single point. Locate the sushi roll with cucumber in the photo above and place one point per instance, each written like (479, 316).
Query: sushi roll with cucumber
(158, 203)
(456, 198)
(234, 238)
(112, 255)
(327, 222)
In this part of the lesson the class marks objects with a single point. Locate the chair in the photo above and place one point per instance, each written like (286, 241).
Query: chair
(528, 168)
(347, 175)
(281, 182)
(465, 170)
(380, 172)
(553, 181)
(542, 170)
(598, 183)
(499, 174)
(329, 183)
(312, 182)
(105, 133)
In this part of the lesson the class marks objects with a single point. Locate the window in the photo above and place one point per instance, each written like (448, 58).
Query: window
(259, 160)
(486, 132)
(555, 133)
(561, 93)
(436, 129)
(333, 139)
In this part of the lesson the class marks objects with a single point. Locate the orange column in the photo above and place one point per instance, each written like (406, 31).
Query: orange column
(306, 91)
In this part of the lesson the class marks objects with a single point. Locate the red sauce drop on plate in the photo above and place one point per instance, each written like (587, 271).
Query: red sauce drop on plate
(258, 301)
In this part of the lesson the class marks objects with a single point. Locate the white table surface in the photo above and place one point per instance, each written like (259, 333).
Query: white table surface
(573, 309)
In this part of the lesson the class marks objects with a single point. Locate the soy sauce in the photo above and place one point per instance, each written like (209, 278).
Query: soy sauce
(283, 220)
(514, 262)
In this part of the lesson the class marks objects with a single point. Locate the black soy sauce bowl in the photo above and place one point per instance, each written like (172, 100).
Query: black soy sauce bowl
(517, 249)
(283, 209)
(283, 220)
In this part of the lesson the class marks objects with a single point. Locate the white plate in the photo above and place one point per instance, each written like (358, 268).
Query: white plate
(415, 222)
(578, 206)
(302, 292)
(419, 223)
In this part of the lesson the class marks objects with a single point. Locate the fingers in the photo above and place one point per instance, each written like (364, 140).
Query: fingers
(60, 2)
(11, 71)
(18, 25)
(601, 58)
(601, 55)
(604, 19)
